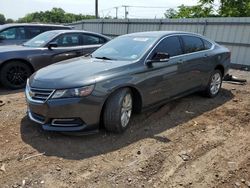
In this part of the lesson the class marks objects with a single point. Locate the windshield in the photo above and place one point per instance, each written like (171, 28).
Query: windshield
(41, 40)
(124, 48)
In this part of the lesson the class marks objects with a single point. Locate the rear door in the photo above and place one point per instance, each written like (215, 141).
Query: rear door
(33, 31)
(194, 62)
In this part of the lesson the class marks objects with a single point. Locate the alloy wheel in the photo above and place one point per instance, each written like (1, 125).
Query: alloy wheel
(126, 109)
(17, 75)
(215, 83)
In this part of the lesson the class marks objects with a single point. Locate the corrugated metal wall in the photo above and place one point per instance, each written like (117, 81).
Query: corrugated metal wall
(233, 33)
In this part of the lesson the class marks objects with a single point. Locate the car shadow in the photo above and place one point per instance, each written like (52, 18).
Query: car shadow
(4, 91)
(145, 125)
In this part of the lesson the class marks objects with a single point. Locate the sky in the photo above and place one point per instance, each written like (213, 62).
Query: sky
(18, 8)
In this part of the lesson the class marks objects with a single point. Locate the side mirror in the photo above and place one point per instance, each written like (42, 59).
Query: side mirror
(159, 57)
(52, 45)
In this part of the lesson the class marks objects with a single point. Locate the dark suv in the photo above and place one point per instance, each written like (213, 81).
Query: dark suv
(11, 34)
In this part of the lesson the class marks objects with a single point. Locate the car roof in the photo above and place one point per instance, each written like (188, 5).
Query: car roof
(159, 34)
(76, 31)
(31, 24)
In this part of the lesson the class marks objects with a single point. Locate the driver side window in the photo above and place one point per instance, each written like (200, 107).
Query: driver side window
(170, 45)
(14, 33)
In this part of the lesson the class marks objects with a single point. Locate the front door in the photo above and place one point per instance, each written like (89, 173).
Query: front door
(162, 79)
(13, 36)
(69, 45)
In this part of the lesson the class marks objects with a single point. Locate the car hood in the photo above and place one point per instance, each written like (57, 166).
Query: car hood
(75, 72)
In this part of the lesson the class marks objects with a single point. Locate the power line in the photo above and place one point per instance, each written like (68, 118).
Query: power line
(145, 6)
(126, 9)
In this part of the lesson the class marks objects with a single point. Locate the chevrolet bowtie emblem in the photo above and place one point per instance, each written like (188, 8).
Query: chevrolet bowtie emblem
(32, 94)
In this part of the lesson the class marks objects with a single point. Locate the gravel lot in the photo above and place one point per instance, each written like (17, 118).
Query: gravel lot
(190, 142)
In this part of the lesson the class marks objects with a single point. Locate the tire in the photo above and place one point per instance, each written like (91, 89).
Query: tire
(118, 111)
(214, 84)
(14, 74)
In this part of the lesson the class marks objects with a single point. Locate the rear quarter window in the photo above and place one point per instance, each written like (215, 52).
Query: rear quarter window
(207, 45)
(92, 39)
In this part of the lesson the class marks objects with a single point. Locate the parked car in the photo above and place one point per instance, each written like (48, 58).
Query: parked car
(128, 74)
(17, 63)
(16, 34)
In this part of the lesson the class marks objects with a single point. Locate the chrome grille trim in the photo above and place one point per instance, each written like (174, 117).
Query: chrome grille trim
(39, 95)
(34, 119)
(54, 122)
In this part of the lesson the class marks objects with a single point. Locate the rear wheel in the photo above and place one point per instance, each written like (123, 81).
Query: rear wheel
(118, 111)
(214, 84)
(14, 74)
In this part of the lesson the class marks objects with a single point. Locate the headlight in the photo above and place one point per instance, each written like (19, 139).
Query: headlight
(75, 92)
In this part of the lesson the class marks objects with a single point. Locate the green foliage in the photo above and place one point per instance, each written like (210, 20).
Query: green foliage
(56, 15)
(2, 19)
(9, 20)
(171, 13)
(237, 8)
(190, 12)
(207, 8)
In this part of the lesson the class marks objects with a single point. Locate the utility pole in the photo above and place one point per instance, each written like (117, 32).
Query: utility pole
(116, 12)
(126, 12)
(96, 9)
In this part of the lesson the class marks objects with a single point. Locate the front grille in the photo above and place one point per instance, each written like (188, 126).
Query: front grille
(40, 94)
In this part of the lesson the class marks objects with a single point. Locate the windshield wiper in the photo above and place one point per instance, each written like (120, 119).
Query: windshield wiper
(88, 55)
(105, 58)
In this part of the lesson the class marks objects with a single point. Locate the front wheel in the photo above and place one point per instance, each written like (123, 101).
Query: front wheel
(118, 111)
(214, 84)
(14, 74)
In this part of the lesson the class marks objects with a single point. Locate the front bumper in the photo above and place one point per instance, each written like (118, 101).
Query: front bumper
(66, 115)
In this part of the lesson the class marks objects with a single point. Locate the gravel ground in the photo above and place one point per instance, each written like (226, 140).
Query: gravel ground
(189, 142)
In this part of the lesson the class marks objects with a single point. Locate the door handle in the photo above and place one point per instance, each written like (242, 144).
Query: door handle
(78, 52)
(179, 62)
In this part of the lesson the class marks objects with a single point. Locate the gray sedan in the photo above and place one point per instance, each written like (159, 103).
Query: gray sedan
(128, 74)
(17, 63)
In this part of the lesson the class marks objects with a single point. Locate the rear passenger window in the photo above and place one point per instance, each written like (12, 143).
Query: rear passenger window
(170, 45)
(207, 44)
(192, 44)
(34, 31)
(91, 39)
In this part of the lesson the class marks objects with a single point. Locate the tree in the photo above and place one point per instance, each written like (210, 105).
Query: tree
(236, 8)
(170, 13)
(190, 12)
(2, 19)
(207, 8)
(9, 20)
(56, 15)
